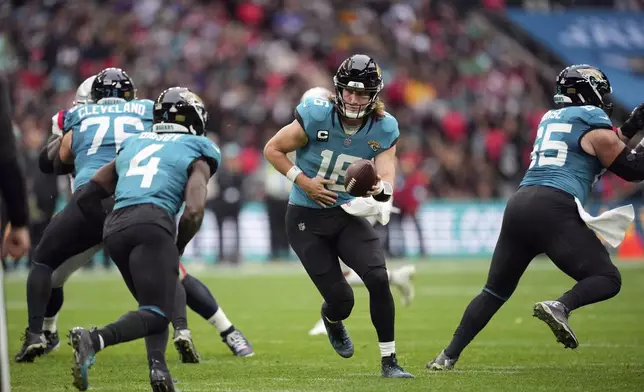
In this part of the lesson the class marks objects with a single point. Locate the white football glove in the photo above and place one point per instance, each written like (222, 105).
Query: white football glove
(371, 209)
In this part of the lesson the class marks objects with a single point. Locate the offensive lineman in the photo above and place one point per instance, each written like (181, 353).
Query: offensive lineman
(574, 146)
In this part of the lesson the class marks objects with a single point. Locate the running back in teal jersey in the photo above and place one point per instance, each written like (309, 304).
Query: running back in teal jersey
(99, 129)
(329, 151)
(154, 168)
(557, 159)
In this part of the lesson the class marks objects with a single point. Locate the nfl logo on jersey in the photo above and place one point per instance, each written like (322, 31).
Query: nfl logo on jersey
(301, 226)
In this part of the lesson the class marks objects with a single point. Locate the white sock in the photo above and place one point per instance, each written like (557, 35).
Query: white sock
(50, 324)
(100, 339)
(353, 279)
(387, 348)
(220, 321)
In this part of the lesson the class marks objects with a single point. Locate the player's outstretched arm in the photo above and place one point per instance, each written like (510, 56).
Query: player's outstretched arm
(288, 139)
(614, 154)
(195, 197)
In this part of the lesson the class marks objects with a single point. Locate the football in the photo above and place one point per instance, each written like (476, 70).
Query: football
(361, 176)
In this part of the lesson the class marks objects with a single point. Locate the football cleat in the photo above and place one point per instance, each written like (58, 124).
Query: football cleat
(237, 343)
(53, 342)
(185, 346)
(555, 315)
(338, 337)
(160, 378)
(402, 279)
(34, 345)
(318, 329)
(84, 355)
(391, 369)
(442, 362)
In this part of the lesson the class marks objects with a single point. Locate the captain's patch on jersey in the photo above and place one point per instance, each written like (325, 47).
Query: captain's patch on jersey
(322, 135)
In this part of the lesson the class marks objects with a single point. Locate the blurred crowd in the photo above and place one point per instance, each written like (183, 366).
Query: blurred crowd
(467, 106)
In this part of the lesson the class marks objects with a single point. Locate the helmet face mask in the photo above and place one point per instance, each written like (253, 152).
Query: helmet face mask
(179, 110)
(584, 85)
(360, 74)
(113, 83)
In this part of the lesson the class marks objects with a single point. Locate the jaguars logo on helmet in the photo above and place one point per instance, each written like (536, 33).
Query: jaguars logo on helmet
(360, 73)
(179, 110)
(583, 84)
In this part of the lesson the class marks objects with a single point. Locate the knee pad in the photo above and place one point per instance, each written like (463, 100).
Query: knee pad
(339, 302)
(376, 280)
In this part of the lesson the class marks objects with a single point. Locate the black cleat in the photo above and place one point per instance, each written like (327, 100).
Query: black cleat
(84, 353)
(185, 346)
(160, 378)
(237, 343)
(391, 369)
(33, 346)
(53, 342)
(442, 362)
(338, 337)
(555, 314)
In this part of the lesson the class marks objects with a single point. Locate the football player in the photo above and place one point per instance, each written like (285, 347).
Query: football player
(93, 134)
(328, 136)
(375, 212)
(575, 144)
(193, 291)
(154, 173)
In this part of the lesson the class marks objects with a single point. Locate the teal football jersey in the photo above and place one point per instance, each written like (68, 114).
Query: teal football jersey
(153, 168)
(557, 159)
(100, 129)
(329, 151)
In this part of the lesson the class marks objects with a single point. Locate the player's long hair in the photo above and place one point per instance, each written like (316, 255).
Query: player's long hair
(378, 111)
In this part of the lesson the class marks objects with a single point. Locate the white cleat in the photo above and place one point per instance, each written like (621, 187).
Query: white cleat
(402, 279)
(318, 329)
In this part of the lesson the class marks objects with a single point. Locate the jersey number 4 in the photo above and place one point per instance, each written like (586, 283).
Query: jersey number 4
(104, 123)
(148, 170)
(543, 145)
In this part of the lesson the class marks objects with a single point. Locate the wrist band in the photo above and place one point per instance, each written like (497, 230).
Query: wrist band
(292, 173)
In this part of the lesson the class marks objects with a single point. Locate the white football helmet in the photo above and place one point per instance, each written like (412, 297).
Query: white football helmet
(84, 92)
(316, 92)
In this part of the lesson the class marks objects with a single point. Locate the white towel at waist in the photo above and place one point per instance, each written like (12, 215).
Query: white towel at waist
(610, 225)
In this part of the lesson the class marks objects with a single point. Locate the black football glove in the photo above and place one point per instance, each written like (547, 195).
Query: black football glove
(634, 123)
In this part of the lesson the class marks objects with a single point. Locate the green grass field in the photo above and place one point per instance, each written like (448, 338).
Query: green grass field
(276, 306)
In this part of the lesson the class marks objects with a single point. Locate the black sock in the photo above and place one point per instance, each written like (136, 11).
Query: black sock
(55, 302)
(38, 291)
(590, 290)
(199, 298)
(179, 316)
(477, 314)
(131, 326)
(155, 346)
(381, 303)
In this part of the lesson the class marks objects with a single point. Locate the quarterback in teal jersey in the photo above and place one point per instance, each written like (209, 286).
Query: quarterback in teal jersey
(574, 145)
(328, 134)
(92, 133)
(153, 175)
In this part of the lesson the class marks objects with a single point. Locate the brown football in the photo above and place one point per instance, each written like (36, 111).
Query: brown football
(361, 176)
